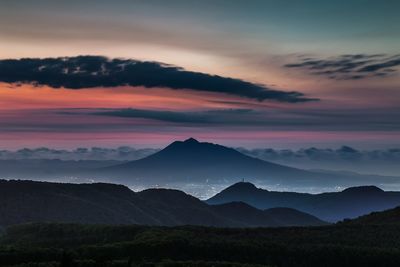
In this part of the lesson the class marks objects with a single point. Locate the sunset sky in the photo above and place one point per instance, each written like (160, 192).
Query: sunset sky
(281, 74)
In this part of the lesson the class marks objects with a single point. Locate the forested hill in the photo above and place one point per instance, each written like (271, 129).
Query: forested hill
(391, 216)
(99, 203)
(344, 245)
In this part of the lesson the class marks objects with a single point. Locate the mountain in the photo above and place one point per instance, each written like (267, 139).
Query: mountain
(100, 203)
(332, 207)
(195, 162)
(191, 160)
(191, 166)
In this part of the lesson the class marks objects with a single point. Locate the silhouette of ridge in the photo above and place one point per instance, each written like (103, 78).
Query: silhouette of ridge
(391, 216)
(332, 207)
(367, 189)
(102, 203)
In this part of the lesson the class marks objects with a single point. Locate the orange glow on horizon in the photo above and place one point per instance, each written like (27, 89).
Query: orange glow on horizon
(30, 97)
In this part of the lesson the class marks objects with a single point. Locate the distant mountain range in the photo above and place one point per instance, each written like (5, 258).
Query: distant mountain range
(99, 203)
(332, 207)
(191, 161)
(240, 205)
(182, 164)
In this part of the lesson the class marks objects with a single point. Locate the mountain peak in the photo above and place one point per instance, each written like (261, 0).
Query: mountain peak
(243, 186)
(191, 140)
(364, 189)
(198, 152)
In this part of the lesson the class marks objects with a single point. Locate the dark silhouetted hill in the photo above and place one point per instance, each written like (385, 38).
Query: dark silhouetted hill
(391, 216)
(100, 203)
(29, 201)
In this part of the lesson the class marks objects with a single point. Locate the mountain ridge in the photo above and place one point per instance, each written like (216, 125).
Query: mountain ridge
(331, 206)
(102, 203)
(201, 163)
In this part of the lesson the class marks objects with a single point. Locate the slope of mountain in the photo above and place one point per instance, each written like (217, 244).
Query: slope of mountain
(28, 201)
(332, 207)
(286, 216)
(391, 216)
(199, 162)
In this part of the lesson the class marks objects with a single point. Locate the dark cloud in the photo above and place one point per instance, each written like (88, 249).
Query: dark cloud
(385, 119)
(350, 67)
(169, 116)
(385, 66)
(134, 120)
(224, 116)
(97, 71)
(344, 153)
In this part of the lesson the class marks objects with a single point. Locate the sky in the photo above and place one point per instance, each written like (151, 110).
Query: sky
(280, 74)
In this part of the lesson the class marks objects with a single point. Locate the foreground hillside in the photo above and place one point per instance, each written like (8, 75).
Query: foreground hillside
(114, 238)
(99, 203)
(391, 216)
(333, 206)
(99, 245)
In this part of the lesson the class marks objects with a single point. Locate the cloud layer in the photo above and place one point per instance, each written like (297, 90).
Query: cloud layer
(345, 153)
(222, 116)
(97, 71)
(122, 153)
(345, 158)
(350, 67)
(296, 119)
(383, 161)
